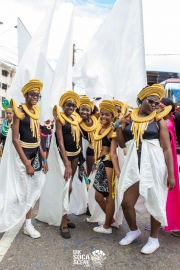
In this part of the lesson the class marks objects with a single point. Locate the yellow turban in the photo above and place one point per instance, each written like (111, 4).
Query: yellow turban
(69, 95)
(85, 101)
(33, 84)
(154, 90)
(109, 106)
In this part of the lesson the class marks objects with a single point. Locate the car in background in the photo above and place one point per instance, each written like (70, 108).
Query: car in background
(172, 87)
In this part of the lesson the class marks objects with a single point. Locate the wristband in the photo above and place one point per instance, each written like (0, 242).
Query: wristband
(45, 160)
(94, 165)
(117, 124)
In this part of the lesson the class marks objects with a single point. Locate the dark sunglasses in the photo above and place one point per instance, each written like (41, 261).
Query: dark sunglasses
(68, 104)
(151, 101)
(33, 95)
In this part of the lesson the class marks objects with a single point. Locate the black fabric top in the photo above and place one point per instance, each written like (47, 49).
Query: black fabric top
(106, 141)
(69, 143)
(85, 133)
(45, 130)
(152, 131)
(25, 131)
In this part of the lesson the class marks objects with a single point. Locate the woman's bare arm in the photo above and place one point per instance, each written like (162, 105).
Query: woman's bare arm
(67, 164)
(165, 144)
(15, 140)
(114, 156)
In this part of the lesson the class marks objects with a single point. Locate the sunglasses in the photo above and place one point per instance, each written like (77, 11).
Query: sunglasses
(37, 95)
(151, 101)
(68, 104)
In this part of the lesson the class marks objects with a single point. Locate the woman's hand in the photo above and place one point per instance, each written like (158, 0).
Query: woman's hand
(124, 119)
(68, 172)
(45, 169)
(29, 168)
(170, 183)
(117, 173)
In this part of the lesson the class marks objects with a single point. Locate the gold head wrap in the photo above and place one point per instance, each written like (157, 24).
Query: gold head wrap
(109, 106)
(33, 84)
(85, 101)
(165, 111)
(154, 90)
(122, 105)
(69, 95)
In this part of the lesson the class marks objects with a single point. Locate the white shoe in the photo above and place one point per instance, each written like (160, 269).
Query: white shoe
(29, 230)
(114, 224)
(151, 246)
(130, 237)
(101, 229)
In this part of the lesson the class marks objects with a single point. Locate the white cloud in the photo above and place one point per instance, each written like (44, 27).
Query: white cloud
(161, 23)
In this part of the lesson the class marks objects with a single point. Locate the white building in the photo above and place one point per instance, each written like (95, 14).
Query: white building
(7, 72)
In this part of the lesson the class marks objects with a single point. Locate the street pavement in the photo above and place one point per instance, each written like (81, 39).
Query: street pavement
(51, 251)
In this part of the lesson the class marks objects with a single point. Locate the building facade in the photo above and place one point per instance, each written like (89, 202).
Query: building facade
(7, 73)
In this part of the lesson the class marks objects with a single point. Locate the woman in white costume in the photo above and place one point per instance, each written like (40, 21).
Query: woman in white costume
(144, 171)
(63, 160)
(21, 167)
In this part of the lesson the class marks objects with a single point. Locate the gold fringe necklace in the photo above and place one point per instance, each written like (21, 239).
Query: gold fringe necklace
(90, 130)
(140, 124)
(98, 139)
(34, 117)
(75, 130)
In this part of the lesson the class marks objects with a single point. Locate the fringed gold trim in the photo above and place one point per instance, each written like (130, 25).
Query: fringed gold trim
(140, 124)
(16, 110)
(75, 130)
(29, 145)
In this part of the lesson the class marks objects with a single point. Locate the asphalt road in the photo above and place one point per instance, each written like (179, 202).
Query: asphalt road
(53, 252)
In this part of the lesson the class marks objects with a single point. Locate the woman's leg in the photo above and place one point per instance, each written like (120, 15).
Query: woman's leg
(74, 164)
(100, 200)
(155, 226)
(89, 163)
(130, 198)
(29, 214)
(110, 206)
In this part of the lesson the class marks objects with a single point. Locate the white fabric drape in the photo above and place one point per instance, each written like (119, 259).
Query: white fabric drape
(62, 80)
(114, 64)
(32, 64)
(18, 190)
(152, 177)
(54, 200)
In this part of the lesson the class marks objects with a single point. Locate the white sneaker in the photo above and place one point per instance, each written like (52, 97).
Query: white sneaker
(151, 246)
(114, 224)
(130, 237)
(29, 230)
(101, 229)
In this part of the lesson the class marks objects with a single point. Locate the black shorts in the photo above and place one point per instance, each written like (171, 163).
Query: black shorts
(90, 152)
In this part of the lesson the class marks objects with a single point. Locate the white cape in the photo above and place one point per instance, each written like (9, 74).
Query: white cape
(152, 177)
(78, 198)
(18, 190)
(54, 200)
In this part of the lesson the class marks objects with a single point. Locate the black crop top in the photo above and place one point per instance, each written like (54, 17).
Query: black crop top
(25, 131)
(152, 131)
(45, 130)
(106, 141)
(85, 133)
(69, 143)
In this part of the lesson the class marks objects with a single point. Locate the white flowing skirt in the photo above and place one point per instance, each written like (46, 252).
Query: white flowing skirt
(78, 197)
(54, 200)
(152, 177)
(18, 190)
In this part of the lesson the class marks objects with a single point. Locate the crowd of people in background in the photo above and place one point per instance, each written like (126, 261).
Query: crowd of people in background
(125, 156)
